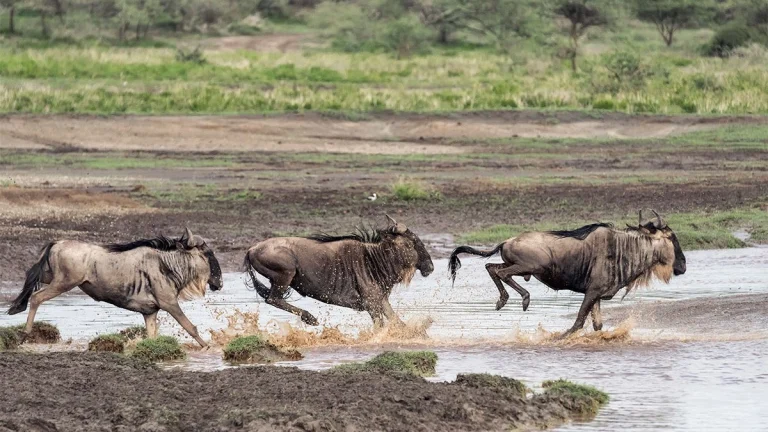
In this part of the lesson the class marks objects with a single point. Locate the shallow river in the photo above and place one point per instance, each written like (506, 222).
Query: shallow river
(682, 379)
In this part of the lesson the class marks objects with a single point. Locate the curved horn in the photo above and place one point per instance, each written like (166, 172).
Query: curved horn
(390, 219)
(660, 223)
(640, 218)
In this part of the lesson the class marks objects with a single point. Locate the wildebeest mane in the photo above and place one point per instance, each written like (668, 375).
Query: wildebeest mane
(160, 243)
(364, 235)
(580, 233)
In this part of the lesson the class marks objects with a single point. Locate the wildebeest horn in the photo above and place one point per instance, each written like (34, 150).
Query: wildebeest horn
(391, 221)
(659, 222)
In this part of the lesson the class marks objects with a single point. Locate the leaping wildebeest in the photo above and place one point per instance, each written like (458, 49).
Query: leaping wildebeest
(356, 271)
(596, 260)
(142, 276)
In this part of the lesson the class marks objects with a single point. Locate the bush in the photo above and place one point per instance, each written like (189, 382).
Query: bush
(406, 36)
(161, 348)
(627, 70)
(494, 382)
(420, 363)
(256, 349)
(42, 332)
(727, 39)
(108, 343)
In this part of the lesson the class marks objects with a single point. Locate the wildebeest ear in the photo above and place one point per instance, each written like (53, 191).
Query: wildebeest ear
(186, 237)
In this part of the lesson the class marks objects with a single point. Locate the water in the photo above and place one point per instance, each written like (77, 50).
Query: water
(682, 378)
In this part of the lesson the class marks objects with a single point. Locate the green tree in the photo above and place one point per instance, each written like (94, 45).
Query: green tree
(669, 16)
(582, 15)
(504, 21)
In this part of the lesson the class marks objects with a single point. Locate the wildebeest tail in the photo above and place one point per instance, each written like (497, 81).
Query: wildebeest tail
(260, 288)
(32, 282)
(454, 264)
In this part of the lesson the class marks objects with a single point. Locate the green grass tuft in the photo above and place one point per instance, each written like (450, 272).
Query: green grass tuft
(584, 400)
(9, 338)
(495, 382)
(413, 190)
(161, 348)
(108, 343)
(134, 332)
(256, 349)
(419, 363)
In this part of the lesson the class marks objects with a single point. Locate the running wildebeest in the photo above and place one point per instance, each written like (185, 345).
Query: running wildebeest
(596, 260)
(142, 276)
(356, 271)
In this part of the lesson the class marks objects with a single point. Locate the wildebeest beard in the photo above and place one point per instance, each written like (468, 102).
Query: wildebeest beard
(179, 267)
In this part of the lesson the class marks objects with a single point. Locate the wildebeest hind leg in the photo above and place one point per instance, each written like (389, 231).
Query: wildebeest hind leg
(503, 294)
(45, 294)
(182, 319)
(597, 317)
(504, 272)
(276, 298)
(150, 322)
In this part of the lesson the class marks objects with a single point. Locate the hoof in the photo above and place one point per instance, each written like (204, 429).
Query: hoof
(526, 302)
(309, 319)
(527, 278)
(23, 335)
(500, 304)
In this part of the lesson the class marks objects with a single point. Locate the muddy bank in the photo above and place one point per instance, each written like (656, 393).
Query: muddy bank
(88, 391)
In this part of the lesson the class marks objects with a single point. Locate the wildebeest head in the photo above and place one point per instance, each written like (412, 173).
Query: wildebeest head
(195, 243)
(423, 260)
(657, 228)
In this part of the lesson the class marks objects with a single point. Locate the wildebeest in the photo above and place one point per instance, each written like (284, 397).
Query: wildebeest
(142, 276)
(596, 260)
(356, 271)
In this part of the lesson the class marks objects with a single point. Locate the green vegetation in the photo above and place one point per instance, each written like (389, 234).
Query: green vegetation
(693, 230)
(256, 349)
(587, 400)
(161, 348)
(134, 332)
(495, 382)
(420, 363)
(42, 332)
(9, 338)
(108, 343)
(413, 190)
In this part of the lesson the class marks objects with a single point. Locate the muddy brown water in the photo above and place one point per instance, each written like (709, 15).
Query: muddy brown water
(687, 356)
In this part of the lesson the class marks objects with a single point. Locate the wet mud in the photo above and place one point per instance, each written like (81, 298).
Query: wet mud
(95, 392)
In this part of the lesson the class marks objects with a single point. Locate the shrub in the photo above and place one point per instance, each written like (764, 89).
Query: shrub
(159, 349)
(42, 332)
(494, 382)
(406, 36)
(420, 363)
(727, 39)
(256, 349)
(108, 343)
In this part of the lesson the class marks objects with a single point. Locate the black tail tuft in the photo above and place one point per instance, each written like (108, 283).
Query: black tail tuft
(32, 282)
(454, 264)
(260, 288)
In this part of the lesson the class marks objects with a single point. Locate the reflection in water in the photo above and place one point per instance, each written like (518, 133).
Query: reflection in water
(657, 379)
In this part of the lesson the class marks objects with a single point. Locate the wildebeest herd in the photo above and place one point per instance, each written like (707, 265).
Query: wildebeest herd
(356, 271)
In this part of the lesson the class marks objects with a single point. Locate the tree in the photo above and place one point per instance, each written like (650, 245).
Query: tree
(502, 20)
(11, 6)
(670, 16)
(581, 15)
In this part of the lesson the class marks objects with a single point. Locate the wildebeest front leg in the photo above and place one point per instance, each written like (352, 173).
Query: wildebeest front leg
(150, 322)
(597, 316)
(389, 312)
(504, 272)
(584, 310)
(279, 288)
(182, 319)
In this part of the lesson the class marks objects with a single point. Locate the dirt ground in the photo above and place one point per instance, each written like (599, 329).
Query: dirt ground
(96, 392)
(238, 179)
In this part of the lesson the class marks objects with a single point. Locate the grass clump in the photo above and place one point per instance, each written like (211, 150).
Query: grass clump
(583, 399)
(413, 190)
(9, 338)
(161, 348)
(108, 343)
(495, 382)
(42, 332)
(419, 363)
(256, 349)
(134, 332)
